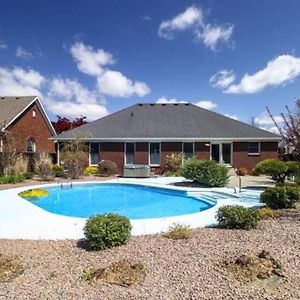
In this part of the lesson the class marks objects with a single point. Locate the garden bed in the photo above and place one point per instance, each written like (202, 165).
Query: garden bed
(175, 269)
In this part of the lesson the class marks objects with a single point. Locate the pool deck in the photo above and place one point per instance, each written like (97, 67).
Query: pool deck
(22, 220)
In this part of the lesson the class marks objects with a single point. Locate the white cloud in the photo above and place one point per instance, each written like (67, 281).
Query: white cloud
(18, 81)
(64, 97)
(187, 19)
(234, 117)
(172, 100)
(91, 61)
(73, 109)
(69, 89)
(115, 84)
(192, 19)
(279, 71)
(212, 35)
(207, 104)
(3, 45)
(264, 119)
(222, 79)
(22, 53)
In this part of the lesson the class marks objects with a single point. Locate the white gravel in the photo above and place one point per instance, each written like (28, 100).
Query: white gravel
(174, 269)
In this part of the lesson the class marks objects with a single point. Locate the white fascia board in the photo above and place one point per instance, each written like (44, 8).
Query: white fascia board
(159, 139)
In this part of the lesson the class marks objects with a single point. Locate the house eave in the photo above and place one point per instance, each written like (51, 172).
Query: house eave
(175, 139)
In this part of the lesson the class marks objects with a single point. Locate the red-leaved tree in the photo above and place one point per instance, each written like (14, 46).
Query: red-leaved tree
(64, 124)
(290, 131)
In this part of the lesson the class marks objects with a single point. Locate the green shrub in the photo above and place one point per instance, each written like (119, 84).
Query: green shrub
(277, 169)
(12, 179)
(206, 172)
(280, 197)
(237, 217)
(106, 231)
(107, 168)
(58, 170)
(90, 170)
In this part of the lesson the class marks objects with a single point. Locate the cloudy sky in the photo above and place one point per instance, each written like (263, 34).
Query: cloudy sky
(94, 57)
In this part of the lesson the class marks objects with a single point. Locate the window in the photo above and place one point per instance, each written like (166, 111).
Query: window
(253, 148)
(94, 153)
(129, 153)
(154, 156)
(188, 150)
(33, 113)
(31, 147)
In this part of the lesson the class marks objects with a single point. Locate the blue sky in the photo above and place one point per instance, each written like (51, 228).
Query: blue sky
(95, 57)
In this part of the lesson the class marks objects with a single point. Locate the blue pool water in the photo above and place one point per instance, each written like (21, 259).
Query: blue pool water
(132, 201)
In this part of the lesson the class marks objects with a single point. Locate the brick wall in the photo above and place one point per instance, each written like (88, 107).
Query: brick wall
(27, 126)
(113, 152)
(241, 158)
(202, 151)
(141, 153)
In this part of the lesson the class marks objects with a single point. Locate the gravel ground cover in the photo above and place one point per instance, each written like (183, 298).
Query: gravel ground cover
(175, 269)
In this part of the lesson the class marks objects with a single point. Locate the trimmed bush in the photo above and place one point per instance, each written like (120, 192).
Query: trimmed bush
(206, 172)
(12, 179)
(90, 170)
(107, 231)
(58, 170)
(237, 217)
(280, 197)
(107, 168)
(277, 169)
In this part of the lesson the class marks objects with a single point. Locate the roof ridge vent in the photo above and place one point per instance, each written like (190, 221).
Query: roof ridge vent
(175, 104)
(152, 104)
(186, 104)
(140, 104)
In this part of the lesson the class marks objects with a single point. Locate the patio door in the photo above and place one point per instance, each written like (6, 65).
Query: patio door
(221, 153)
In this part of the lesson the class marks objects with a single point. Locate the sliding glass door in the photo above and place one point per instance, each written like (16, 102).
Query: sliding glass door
(221, 153)
(129, 153)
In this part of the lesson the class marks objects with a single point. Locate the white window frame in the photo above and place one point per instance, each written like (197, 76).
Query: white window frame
(90, 157)
(259, 148)
(33, 145)
(149, 148)
(134, 147)
(182, 149)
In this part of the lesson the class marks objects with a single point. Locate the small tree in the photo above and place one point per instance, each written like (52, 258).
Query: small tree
(75, 157)
(290, 131)
(64, 124)
(277, 169)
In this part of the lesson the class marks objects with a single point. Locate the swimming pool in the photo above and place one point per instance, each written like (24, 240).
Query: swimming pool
(132, 201)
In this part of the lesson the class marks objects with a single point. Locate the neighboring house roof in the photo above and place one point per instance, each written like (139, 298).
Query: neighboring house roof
(13, 107)
(166, 122)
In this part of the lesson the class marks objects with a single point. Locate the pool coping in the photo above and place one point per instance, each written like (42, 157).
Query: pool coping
(23, 220)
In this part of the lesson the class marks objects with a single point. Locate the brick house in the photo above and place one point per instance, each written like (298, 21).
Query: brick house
(24, 122)
(147, 133)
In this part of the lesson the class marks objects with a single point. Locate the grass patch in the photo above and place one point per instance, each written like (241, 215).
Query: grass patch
(179, 232)
(267, 213)
(10, 268)
(124, 273)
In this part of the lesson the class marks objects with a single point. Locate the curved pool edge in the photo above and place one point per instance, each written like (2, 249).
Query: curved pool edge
(23, 220)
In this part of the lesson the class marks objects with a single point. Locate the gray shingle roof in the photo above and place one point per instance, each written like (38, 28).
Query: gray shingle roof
(12, 106)
(166, 121)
